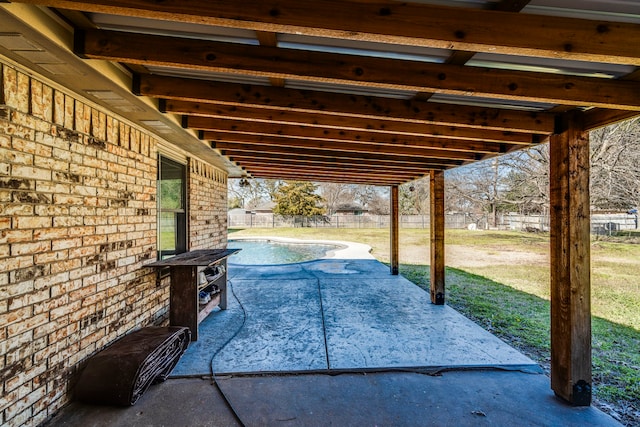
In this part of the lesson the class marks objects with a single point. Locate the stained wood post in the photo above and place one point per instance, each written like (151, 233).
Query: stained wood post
(570, 262)
(436, 189)
(394, 230)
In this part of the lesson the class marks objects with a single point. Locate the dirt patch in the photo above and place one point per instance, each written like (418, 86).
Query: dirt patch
(460, 256)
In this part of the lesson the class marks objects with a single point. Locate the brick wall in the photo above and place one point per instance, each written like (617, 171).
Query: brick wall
(77, 225)
(207, 188)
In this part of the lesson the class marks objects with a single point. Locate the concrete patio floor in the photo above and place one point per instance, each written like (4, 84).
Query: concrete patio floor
(342, 342)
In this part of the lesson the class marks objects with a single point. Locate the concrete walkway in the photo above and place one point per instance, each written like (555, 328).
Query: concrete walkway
(342, 342)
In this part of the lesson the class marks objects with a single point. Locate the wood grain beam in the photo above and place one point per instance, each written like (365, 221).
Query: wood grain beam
(411, 111)
(297, 176)
(415, 24)
(302, 161)
(267, 38)
(232, 149)
(459, 57)
(283, 164)
(219, 127)
(256, 116)
(324, 67)
(223, 140)
(380, 176)
(598, 117)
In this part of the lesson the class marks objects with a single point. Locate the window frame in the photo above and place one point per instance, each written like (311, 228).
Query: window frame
(180, 214)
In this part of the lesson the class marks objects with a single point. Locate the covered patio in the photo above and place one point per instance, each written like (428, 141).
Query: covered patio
(341, 342)
(102, 100)
(338, 315)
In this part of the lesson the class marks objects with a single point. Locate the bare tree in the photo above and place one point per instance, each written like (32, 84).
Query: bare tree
(249, 194)
(414, 197)
(615, 166)
(478, 188)
(380, 203)
(527, 179)
(335, 195)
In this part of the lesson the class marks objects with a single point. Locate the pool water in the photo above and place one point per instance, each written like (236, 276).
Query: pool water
(270, 252)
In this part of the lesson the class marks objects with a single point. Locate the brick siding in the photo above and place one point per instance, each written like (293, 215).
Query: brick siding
(207, 188)
(78, 223)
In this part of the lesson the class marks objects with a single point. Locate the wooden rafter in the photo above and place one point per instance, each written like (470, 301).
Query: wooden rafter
(226, 140)
(379, 175)
(357, 70)
(217, 129)
(254, 117)
(249, 164)
(267, 38)
(428, 163)
(454, 28)
(303, 176)
(411, 111)
(304, 161)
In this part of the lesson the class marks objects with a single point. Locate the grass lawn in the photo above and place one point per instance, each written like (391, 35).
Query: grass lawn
(500, 280)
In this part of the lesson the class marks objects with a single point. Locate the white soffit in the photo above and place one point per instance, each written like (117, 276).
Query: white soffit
(550, 65)
(607, 10)
(173, 28)
(479, 101)
(208, 75)
(363, 48)
(348, 89)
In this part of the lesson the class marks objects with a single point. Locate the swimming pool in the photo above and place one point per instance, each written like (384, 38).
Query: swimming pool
(273, 252)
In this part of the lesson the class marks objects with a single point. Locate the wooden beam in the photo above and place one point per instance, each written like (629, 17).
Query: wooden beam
(221, 127)
(267, 38)
(324, 67)
(395, 231)
(324, 178)
(380, 177)
(459, 57)
(412, 111)
(570, 263)
(331, 121)
(332, 170)
(436, 269)
(228, 140)
(250, 161)
(456, 28)
(235, 148)
(598, 117)
(278, 154)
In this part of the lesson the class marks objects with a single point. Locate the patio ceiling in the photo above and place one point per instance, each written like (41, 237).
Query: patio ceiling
(369, 92)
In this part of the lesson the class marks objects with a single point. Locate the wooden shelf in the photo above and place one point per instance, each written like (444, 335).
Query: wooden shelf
(185, 269)
(205, 309)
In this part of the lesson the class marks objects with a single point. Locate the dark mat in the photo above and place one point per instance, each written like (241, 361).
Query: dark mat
(122, 372)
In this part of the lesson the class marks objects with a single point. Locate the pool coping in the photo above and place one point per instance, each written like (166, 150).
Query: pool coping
(347, 250)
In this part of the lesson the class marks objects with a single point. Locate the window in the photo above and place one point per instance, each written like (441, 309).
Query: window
(172, 208)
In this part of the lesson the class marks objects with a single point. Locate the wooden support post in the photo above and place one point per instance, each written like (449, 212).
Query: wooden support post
(394, 230)
(570, 262)
(437, 237)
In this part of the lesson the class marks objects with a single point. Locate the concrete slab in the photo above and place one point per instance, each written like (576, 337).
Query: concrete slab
(456, 399)
(391, 323)
(283, 329)
(460, 399)
(176, 402)
(337, 314)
